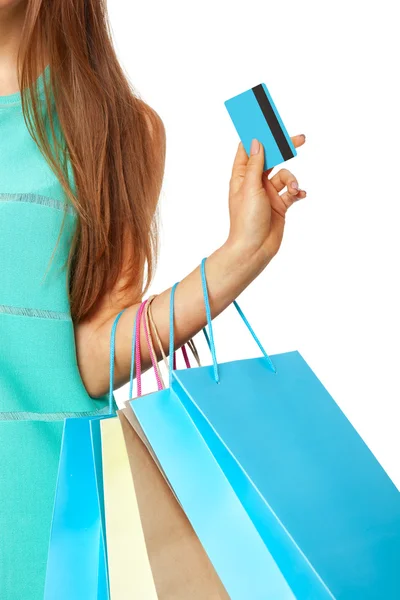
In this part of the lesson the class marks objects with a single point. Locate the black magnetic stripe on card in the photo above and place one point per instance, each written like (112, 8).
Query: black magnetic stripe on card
(272, 122)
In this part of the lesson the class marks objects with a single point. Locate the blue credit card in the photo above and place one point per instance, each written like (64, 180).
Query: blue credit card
(254, 115)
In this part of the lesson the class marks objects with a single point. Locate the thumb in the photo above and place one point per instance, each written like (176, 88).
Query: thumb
(255, 167)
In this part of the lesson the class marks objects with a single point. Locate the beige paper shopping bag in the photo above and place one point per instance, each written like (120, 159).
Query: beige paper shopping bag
(180, 566)
(129, 568)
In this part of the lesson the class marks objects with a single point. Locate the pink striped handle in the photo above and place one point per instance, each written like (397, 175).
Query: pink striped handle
(138, 353)
(185, 356)
(137, 350)
(153, 358)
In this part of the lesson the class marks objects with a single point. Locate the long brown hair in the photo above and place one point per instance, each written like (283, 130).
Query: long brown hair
(114, 142)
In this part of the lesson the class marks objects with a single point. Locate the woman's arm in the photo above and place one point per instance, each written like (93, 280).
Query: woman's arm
(257, 216)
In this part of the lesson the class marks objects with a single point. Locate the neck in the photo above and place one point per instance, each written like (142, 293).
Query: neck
(11, 23)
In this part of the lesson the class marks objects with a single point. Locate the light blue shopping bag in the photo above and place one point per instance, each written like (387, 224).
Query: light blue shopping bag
(285, 496)
(77, 557)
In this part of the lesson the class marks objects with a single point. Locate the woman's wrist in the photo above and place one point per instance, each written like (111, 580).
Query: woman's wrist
(243, 260)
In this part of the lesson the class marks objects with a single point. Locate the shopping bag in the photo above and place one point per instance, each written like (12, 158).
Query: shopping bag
(312, 490)
(129, 568)
(181, 569)
(77, 556)
(180, 566)
(77, 566)
(224, 529)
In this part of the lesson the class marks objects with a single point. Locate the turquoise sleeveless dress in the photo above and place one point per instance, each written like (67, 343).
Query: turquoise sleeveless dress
(40, 383)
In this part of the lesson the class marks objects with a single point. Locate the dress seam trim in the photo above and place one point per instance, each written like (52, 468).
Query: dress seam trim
(48, 416)
(37, 199)
(22, 311)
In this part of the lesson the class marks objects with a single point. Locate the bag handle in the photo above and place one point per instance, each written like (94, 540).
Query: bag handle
(171, 332)
(149, 340)
(190, 344)
(210, 330)
(194, 351)
(140, 314)
(137, 349)
(111, 410)
(210, 336)
(144, 314)
(134, 352)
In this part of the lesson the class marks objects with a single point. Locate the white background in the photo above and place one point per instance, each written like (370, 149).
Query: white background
(332, 292)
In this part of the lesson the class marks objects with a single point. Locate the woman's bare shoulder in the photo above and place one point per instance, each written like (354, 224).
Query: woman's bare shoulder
(154, 122)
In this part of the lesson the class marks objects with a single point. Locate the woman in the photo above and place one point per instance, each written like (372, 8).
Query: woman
(81, 167)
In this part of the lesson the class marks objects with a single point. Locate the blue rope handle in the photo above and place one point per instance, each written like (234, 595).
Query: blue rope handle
(111, 410)
(172, 332)
(210, 337)
(249, 327)
(207, 338)
(210, 330)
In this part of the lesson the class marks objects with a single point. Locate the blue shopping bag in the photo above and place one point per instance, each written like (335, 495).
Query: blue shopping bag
(262, 439)
(77, 557)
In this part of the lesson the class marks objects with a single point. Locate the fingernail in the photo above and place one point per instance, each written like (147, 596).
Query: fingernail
(303, 135)
(295, 185)
(255, 146)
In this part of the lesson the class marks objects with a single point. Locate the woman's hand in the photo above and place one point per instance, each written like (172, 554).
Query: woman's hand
(256, 206)
(257, 217)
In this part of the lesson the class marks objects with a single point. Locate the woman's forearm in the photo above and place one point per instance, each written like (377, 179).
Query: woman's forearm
(229, 270)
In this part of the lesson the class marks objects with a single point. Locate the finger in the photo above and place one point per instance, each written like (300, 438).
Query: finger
(241, 159)
(298, 140)
(254, 168)
(289, 199)
(238, 169)
(284, 178)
